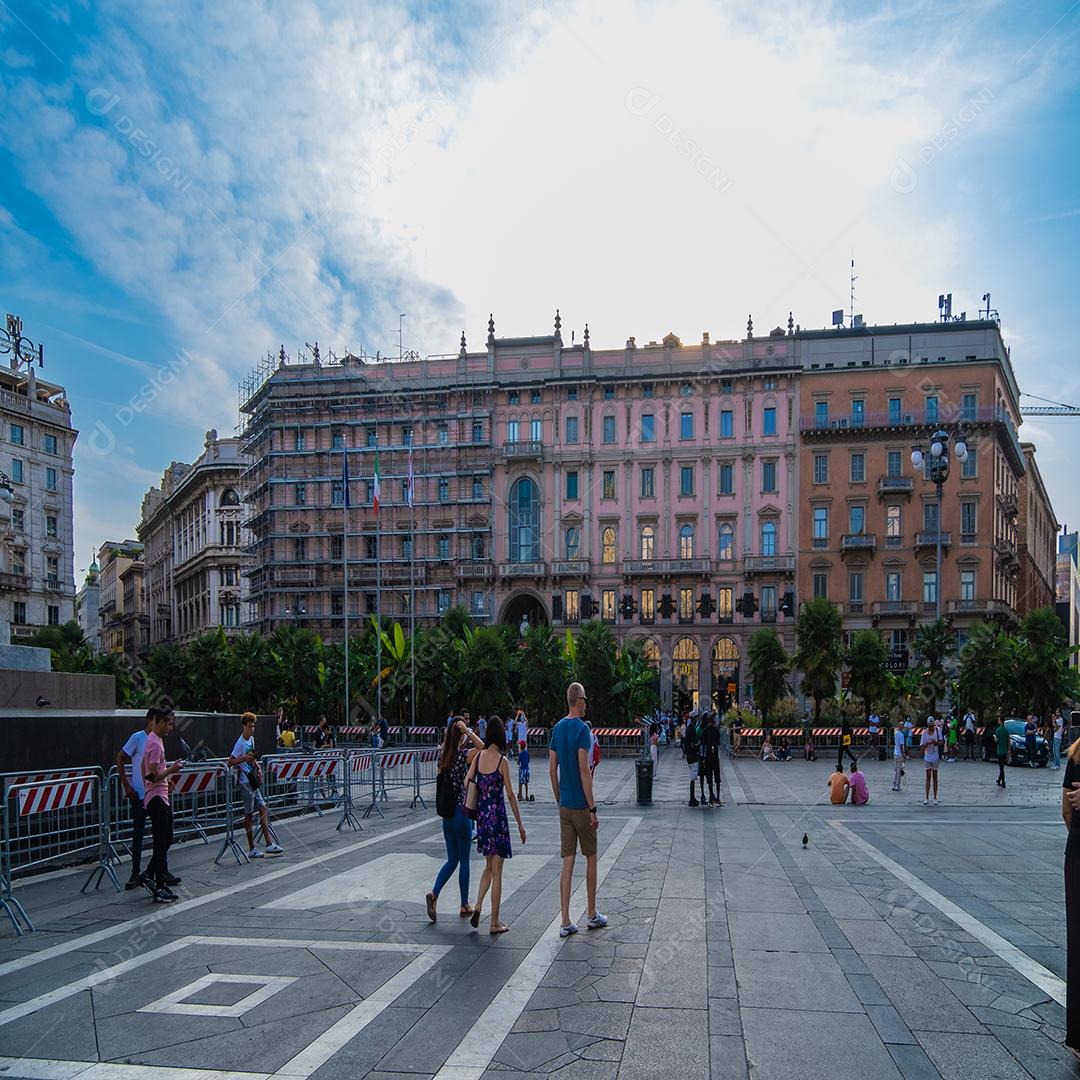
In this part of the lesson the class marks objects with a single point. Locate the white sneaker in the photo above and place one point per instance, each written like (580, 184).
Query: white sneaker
(567, 930)
(255, 853)
(935, 802)
(597, 922)
(275, 849)
(926, 802)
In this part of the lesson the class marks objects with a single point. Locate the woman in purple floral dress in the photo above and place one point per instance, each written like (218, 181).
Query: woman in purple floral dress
(490, 771)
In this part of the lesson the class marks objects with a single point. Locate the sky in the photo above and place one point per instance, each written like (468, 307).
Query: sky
(185, 188)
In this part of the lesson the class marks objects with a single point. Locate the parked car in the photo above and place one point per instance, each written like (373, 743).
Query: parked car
(1017, 746)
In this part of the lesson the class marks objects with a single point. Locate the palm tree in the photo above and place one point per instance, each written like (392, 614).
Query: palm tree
(252, 675)
(208, 670)
(934, 644)
(1043, 674)
(543, 674)
(637, 684)
(484, 664)
(984, 668)
(768, 663)
(67, 644)
(819, 649)
(595, 669)
(297, 653)
(866, 661)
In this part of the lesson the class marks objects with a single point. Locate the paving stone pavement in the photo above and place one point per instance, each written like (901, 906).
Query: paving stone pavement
(902, 941)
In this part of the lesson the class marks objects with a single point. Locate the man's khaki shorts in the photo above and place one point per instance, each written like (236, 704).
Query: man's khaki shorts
(574, 829)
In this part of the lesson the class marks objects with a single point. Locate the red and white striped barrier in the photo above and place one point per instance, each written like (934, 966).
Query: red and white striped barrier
(11, 780)
(616, 733)
(58, 795)
(423, 731)
(305, 769)
(196, 781)
(396, 758)
(359, 762)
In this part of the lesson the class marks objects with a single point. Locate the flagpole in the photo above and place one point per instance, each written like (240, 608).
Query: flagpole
(378, 590)
(412, 591)
(345, 571)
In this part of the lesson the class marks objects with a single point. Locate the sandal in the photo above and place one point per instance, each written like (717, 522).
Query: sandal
(474, 920)
(430, 901)
(498, 928)
(465, 911)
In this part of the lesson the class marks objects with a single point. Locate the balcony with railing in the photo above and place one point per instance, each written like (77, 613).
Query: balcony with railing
(1009, 504)
(13, 582)
(854, 607)
(646, 567)
(931, 539)
(981, 607)
(866, 542)
(528, 449)
(483, 571)
(570, 568)
(895, 485)
(522, 570)
(894, 607)
(769, 564)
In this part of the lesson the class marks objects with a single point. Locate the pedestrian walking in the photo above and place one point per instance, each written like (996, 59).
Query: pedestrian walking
(1070, 809)
(845, 745)
(710, 758)
(736, 734)
(524, 772)
(1001, 739)
(249, 780)
(490, 771)
(135, 790)
(931, 742)
(1031, 729)
(459, 748)
(691, 752)
(1058, 731)
(654, 752)
(952, 738)
(969, 734)
(899, 758)
(324, 735)
(156, 772)
(571, 783)
(909, 730)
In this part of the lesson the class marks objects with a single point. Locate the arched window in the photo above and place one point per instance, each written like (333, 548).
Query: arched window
(524, 521)
(768, 538)
(651, 652)
(572, 542)
(726, 548)
(685, 672)
(230, 498)
(607, 546)
(686, 542)
(725, 673)
(648, 542)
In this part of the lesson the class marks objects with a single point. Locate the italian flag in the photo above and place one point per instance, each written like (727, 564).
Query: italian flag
(375, 484)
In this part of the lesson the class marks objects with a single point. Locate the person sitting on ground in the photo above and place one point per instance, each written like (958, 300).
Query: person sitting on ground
(809, 750)
(838, 787)
(784, 751)
(767, 752)
(860, 794)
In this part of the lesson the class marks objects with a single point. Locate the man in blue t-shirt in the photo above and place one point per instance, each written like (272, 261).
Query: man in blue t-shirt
(571, 782)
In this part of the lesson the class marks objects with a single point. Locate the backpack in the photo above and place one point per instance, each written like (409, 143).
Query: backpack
(445, 797)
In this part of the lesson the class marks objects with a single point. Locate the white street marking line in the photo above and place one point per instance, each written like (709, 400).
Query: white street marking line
(337, 1035)
(46, 1069)
(26, 1008)
(474, 1053)
(1023, 964)
(177, 1004)
(23, 962)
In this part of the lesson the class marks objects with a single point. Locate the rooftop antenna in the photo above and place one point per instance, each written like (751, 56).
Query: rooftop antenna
(988, 312)
(400, 328)
(851, 309)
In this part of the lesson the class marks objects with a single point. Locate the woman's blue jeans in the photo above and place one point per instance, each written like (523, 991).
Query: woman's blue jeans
(457, 832)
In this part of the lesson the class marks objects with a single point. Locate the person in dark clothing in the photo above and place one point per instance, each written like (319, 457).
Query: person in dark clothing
(845, 746)
(1070, 813)
(1001, 739)
(710, 757)
(691, 751)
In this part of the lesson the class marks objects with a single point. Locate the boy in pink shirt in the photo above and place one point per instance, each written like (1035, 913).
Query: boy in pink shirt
(860, 794)
(156, 773)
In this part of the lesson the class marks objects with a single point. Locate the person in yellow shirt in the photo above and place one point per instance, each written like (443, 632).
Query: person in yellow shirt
(288, 735)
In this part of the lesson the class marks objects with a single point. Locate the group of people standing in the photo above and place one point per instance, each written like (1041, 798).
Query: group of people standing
(700, 741)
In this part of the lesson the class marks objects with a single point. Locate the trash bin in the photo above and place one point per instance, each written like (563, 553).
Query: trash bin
(644, 782)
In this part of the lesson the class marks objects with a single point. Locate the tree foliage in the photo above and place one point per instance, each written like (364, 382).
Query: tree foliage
(768, 663)
(868, 679)
(819, 649)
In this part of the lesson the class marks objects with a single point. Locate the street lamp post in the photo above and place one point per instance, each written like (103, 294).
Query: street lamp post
(937, 467)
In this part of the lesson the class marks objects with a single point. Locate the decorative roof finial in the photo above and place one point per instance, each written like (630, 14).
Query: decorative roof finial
(316, 352)
(281, 356)
(463, 350)
(558, 323)
(586, 335)
(790, 324)
(749, 326)
(491, 329)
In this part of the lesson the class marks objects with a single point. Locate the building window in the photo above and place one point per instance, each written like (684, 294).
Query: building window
(444, 490)
(970, 467)
(769, 418)
(535, 397)
(858, 468)
(337, 493)
(725, 606)
(571, 610)
(609, 393)
(895, 410)
(930, 517)
(337, 439)
(686, 480)
(726, 546)
(50, 526)
(478, 547)
(337, 606)
(607, 605)
(821, 586)
(686, 605)
(648, 606)
(893, 522)
(727, 479)
(768, 538)
(969, 407)
(931, 408)
(54, 615)
(895, 466)
(768, 476)
(967, 584)
(686, 542)
(648, 543)
(370, 547)
(476, 603)
(512, 431)
(686, 426)
(524, 521)
(607, 546)
(821, 525)
(892, 586)
(856, 519)
(967, 519)
(300, 494)
(571, 484)
(570, 539)
(855, 587)
(442, 434)
(571, 429)
(406, 435)
(609, 429)
(371, 438)
(513, 398)
(858, 412)
(648, 482)
(406, 547)
(536, 430)
(768, 603)
(50, 479)
(52, 570)
(608, 484)
(821, 414)
(648, 427)
(821, 468)
(18, 435)
(727, 424)
(48, 444)
(18, 519)
(477, 431)
(337, 553)
(478, 487)
(442, 601)
(647, 390)
(929, 587)
(444, 546)
(300, 549)
(16, 471)
(18, 611)
(571, 393)
(405, 490)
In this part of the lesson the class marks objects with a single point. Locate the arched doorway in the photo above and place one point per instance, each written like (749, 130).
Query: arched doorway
(725, 674)
(685, 674)
(524, 606)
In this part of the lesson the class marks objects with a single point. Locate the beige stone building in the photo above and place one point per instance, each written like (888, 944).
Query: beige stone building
(114, 558)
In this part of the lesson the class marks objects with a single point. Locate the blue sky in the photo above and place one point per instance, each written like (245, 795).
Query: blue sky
(186, 187)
